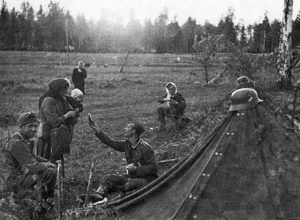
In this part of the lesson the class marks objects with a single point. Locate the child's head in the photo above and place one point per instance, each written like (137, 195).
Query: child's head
(77, 95)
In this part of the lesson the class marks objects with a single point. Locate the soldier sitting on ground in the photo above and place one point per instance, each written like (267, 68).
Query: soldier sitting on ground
(175, 106)
(141, 163)
(22, 169)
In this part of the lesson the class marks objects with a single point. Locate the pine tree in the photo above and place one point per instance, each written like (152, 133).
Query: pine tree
(12, 31)
(275, 35)
(148, 36)
(4, 25)
(160, 29)
(175, 37)
(243, 39)
(226, 27)
(189, 31)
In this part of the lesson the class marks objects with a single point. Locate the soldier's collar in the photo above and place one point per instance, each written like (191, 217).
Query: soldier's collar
(137, 144)
(22, 138)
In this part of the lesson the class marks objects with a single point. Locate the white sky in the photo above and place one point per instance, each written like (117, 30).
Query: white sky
(247, 11)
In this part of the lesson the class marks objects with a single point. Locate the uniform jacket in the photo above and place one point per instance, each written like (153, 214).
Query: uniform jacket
(141, 155)
(19, 161)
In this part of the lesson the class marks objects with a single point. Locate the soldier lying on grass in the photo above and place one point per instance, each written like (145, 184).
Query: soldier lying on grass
(142, 166)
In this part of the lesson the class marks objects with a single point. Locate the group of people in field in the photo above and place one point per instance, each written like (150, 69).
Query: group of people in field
(22, 168)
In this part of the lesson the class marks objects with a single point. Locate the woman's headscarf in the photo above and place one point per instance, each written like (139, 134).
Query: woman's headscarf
(80, 64)
(59, 84)
(55, 86)
(168, 92)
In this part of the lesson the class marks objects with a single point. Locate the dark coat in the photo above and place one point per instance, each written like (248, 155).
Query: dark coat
(55, 133)
(52, 114)
(177, 109)
(78, 78)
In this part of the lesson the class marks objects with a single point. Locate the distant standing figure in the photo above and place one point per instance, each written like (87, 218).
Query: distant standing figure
(79, 74)
(175, 105)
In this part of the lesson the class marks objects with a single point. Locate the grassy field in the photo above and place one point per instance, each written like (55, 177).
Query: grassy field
(112, 98)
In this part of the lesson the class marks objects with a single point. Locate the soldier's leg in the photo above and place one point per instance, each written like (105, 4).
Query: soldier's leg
(112, 183)
(135, 183)
(29, 181)
(48, 180)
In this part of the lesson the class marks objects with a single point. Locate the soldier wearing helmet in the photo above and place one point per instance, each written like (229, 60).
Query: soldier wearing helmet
(244, 98)
(241, 82)
(245, 82)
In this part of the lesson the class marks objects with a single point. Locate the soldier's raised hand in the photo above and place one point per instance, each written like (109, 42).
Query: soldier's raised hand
(93, 125)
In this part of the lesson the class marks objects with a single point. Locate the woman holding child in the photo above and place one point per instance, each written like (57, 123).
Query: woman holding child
(57, 120)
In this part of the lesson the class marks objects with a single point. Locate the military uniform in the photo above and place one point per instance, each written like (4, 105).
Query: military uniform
(141, 155)
(23, 169)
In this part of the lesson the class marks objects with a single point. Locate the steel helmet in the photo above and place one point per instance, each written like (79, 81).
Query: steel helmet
(244, 98)
(245, 82)
(242, 80)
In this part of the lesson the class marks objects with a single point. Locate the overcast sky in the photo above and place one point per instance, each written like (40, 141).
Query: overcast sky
(246, 11)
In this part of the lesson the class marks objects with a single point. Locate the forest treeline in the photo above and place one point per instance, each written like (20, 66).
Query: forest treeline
(45, 30)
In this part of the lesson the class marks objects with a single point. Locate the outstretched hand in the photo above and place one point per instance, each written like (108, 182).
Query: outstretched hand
(93, 125)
